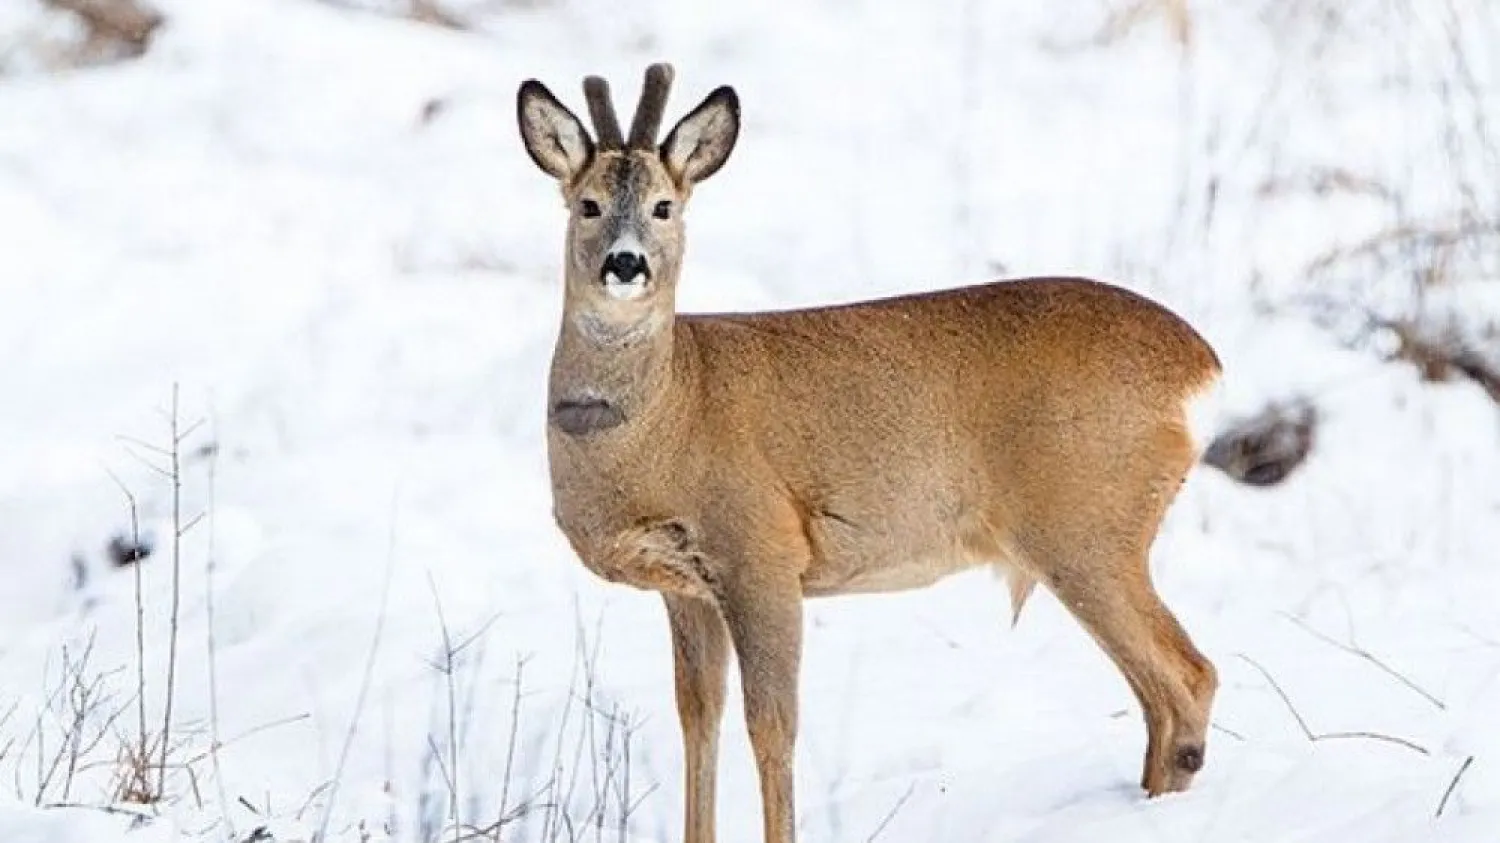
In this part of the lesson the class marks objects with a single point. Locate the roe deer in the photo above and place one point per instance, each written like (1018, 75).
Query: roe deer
(737, 463)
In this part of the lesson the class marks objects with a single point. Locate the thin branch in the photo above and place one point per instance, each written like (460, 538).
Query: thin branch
(365, 680)
(448, 668)
(140, 626)
(421, 11)
(1374, 736)
(1315, 737)
(311, 797)
(1453, 785)
(166, 728)
(468, 640)
(639, 800)
(1362, 653)
(515, 728)
(189, 431)
(210, 564)
(192, 522)
(891, 814)
(1228, 731)
(437, 753)
(1297, 715)
(145, 446)
(248, 733)
(151, 466)
(115, 810)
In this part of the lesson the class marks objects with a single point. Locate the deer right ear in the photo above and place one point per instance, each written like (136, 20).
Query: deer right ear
(554, 138)
(701, 142)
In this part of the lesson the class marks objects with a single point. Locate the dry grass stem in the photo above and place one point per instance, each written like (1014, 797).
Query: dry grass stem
(1315, 737)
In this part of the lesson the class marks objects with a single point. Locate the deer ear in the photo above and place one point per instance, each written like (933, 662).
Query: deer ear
(700, 143)
(554, 138)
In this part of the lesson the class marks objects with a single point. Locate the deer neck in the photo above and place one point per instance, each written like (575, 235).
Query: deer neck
(609, 373)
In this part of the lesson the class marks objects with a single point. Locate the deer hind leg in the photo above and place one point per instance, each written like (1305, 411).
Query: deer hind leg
(700, 651)
(1114, 600)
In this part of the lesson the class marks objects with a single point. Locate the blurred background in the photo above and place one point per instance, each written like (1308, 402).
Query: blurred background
(278, 288)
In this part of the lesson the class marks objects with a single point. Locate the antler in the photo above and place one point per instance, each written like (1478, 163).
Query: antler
(602, 112)
(653, 103)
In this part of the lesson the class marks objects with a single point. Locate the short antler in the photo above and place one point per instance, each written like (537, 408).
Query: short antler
(653, 104)
(602, 111)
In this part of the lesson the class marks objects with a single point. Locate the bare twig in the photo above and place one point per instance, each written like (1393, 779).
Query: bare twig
(1374, 736)
(1316, 737)
(1327, 181)
(1228, 731)
(146, 446)
(510, 743)
(211, 563)
(137, 814)
(1297, 715)
(549, 821)
(1453, 785)
(4, 721)
(447, 669)
(177, 531)
(1125, 20)
(366, 679)
(1362, 653)
(437, 753)
(891, 814)
(141, 750)
(250, 732)
(1432, 237)
(421, 11)
(312, 797)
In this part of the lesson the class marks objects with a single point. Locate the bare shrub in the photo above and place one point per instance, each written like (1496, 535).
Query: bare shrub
(422, 11)
(114, 29)
(1264, 449)
(575, 773)
(1405, 290)
(1126, 19)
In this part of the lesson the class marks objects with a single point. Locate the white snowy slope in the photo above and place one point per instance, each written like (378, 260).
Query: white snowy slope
(320, 225)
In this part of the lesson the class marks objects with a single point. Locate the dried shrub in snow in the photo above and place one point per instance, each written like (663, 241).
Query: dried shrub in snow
(1445, 354)
(115, 29)
(1446, 333)
(422, 11)
(1124, 20)
(1264, 449)
(1418, 283)
(45, 36)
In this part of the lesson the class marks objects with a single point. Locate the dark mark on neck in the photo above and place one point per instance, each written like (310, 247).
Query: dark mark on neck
(582, 416)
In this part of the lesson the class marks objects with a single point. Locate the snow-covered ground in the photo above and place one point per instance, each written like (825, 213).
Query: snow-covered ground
(320, 224)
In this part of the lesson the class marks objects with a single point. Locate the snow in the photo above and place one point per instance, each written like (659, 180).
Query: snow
(358, 301)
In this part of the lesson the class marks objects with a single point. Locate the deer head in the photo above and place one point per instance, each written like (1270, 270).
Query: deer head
(625, 197)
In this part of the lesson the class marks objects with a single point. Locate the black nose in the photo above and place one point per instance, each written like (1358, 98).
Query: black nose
(625, 266)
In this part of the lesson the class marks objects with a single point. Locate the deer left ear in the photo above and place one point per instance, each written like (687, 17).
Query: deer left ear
(700, 143)
(554, 138)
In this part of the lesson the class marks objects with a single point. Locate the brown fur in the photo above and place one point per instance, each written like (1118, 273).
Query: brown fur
(1037, 426)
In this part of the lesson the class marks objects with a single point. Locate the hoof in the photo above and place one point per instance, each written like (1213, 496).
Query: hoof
(1189, 759)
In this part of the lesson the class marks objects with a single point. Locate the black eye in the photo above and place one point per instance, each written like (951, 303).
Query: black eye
(590, 208)
(663, 210)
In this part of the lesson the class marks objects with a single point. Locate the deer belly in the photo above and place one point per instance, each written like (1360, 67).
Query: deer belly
(850, 560)
(909, 551)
